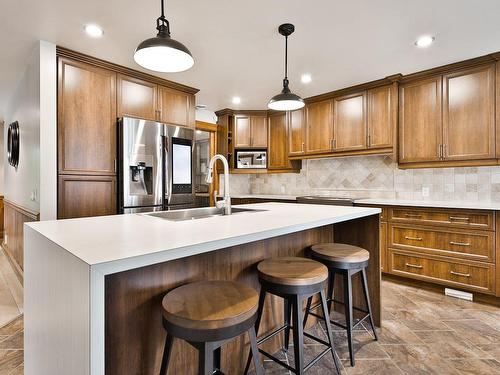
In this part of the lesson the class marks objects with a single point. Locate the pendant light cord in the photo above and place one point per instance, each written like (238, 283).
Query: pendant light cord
(286, 57)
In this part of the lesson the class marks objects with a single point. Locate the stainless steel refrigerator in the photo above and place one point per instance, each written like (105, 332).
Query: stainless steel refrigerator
(155, 166)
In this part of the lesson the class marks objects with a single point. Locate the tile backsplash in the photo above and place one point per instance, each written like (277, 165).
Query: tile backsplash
(375, 177)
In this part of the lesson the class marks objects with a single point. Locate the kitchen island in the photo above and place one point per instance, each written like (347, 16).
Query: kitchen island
(93, 286)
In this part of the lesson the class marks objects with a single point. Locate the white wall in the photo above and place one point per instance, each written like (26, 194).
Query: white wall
(206, 115)
(33, 105)
(48, 131)
(2, 157)
(24, 107)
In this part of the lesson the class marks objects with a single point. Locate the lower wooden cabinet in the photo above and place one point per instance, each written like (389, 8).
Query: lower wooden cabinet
(82, 196)
(461, 274)
(383, 246)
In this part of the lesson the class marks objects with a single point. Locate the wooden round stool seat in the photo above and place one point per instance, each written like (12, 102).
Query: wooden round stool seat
(209, 306)
(293, 271)
(207, 314)
(341, 255)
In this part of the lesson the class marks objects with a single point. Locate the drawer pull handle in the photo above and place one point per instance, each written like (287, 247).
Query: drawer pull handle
(457, 218)
(460, 274)
(413, 238)
(416, 216)
(414, 265)
(459, 243)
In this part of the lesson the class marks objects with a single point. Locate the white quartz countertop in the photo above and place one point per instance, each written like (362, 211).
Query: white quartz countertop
(264, 196)
(485, 205)
(137, 239)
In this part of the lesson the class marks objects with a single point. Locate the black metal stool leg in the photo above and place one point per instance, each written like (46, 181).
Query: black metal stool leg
(206, 359)
(306, 314)
(348, 312)
(331, 286)
(255, 352)
(367, 301)
(217, 360)
(167, 350)
(287, 312)
(262, 299)
(324, 306)
(298, 335)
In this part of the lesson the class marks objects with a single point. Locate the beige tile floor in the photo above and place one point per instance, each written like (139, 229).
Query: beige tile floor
(423, 333)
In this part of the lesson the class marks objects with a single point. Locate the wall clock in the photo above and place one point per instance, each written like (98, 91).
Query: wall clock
(13, 144)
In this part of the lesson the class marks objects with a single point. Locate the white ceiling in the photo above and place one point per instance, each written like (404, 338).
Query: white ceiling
(238, 50)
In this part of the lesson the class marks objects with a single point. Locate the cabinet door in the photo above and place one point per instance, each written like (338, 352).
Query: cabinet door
(383, 246)
(258, 131)
(381, 117)
(296, 133)
(136, 98)
(469, 114)
(349, 123)
(176, 107)
(420, 124)
(83, 196)
(319, 120)
(242, 133)
(277, 151)
(86, 119)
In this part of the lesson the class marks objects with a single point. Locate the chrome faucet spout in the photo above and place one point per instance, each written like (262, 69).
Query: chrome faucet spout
(226, 202)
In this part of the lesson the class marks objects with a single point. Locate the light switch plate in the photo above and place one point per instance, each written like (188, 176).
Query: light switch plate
(425, 191)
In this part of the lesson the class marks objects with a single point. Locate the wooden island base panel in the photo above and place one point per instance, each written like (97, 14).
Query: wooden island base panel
(133, 329)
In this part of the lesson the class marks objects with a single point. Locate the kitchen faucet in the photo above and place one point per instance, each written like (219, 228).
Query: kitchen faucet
(226, 202)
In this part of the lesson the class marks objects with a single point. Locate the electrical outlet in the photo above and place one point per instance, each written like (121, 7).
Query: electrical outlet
(425, 191)
(283, 189)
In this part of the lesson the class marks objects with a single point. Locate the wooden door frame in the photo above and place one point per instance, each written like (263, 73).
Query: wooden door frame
(212, 129)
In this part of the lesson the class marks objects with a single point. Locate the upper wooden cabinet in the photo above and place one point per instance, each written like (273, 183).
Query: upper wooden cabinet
(136, 98)
(469, 114)
(319, 130)
(242, 137)
(176, 107)
(86, 119)
(250, 131)
(277, 156)
(258, 131)
(297, 133)
(420, 134)
(382, 112)
(349, 124)
(448, 118)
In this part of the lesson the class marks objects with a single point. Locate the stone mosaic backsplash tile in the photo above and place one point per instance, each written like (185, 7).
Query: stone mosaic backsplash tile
(375, 177)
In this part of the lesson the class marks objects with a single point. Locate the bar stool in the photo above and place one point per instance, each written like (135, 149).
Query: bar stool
(208, 314)
(346, 260)
(294, 279)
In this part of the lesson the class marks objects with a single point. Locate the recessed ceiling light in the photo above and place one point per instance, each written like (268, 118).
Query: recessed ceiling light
(93, 30)
(424, 41)
(236, 100)
(306, 78)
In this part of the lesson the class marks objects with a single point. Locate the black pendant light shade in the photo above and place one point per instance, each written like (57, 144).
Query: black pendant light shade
(162, 53)
(286, 100)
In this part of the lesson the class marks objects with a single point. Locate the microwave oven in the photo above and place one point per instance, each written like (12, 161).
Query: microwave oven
(251, 159)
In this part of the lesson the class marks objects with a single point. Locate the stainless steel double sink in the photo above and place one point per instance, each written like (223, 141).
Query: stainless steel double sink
(199, 213)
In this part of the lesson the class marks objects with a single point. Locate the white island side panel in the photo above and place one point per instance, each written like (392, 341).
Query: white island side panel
(56, 309)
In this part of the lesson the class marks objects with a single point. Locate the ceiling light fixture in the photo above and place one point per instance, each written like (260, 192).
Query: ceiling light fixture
(286, 100)
(162, 53)
(236, 100)
(306, 78)
(424, 41)
(93, 30)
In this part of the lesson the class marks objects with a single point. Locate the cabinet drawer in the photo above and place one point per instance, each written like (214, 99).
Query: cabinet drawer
(449, 218)
(459, 274)
(478, 245)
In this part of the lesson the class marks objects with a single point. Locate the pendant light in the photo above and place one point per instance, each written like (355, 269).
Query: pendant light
(286, 100)
(162, 53)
